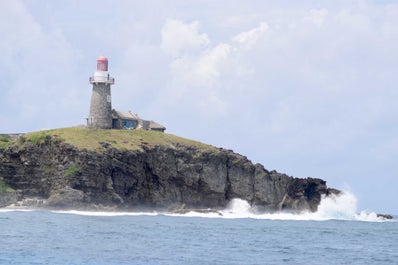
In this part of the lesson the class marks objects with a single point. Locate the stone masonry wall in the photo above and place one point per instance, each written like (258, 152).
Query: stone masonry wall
(100, 116)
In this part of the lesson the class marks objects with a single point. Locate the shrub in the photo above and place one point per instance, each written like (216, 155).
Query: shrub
(37, 138)
(72, 170)
(4, 139)
(4, 187)
(4, 142)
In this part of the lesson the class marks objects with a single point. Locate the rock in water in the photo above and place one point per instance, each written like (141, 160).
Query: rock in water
(164, 172)
(385, 216)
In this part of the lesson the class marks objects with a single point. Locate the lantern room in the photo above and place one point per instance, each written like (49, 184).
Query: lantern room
(101, 75)
(102, 63)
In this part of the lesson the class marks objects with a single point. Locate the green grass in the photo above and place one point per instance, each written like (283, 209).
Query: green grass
(4, 187)
(36, 138)
(84, 138)
(4, 141)
(72, 170)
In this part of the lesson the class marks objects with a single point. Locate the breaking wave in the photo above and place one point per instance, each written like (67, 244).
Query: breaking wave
(334, 207)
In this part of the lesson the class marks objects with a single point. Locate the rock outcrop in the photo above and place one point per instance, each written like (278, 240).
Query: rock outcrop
(57, 174)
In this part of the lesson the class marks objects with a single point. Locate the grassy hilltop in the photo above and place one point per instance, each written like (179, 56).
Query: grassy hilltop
(84, 138)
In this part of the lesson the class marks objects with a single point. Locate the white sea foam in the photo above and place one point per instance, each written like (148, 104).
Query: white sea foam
(342, 207)
(7, 210)
(334, 207)
(95, 213)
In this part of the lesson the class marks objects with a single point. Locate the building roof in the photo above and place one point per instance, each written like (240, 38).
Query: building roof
(125, 115)
(155, 125)
(144, 124)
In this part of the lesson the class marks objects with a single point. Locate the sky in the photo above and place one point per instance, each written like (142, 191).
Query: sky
(308, 88)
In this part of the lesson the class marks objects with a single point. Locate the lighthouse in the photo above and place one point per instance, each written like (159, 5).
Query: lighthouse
(100, 116)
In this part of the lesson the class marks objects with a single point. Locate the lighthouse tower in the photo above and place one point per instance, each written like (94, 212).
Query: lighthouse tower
(100, 116)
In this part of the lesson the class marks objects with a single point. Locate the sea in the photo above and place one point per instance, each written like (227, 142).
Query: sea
(335, 234)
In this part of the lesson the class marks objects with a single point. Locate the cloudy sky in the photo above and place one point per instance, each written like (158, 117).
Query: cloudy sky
(308, 88)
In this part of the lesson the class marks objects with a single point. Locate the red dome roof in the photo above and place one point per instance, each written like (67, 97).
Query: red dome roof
(102, 58)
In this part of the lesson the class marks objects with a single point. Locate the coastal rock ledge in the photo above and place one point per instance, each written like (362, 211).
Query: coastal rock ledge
(77, 168)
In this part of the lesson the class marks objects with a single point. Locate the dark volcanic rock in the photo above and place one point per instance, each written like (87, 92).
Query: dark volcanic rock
(385, 216)
(8, 198)
(160, 176)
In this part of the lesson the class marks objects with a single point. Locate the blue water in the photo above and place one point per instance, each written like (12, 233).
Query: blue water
(44, 237)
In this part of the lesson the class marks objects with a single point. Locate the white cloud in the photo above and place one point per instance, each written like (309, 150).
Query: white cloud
(252, 36)
(210, 63)
(203, 67)
(199, 75)
(178, 37)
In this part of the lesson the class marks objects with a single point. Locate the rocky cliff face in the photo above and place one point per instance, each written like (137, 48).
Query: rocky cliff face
(53, 173)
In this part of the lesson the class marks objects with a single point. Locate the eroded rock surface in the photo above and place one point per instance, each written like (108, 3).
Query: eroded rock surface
(63, 176)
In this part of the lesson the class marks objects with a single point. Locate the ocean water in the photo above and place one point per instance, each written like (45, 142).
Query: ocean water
(336, 234)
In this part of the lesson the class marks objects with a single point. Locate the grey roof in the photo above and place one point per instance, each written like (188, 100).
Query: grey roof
(155, 125)
(126, 115)
(144, 124)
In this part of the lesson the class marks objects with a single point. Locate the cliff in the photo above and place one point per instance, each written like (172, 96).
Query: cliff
(78, 168)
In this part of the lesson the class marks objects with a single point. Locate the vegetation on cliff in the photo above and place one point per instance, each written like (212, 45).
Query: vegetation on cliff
(94, 140)
(4, 141)
(4, 188)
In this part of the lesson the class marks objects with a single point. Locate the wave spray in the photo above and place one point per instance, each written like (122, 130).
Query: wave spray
(333, 207)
